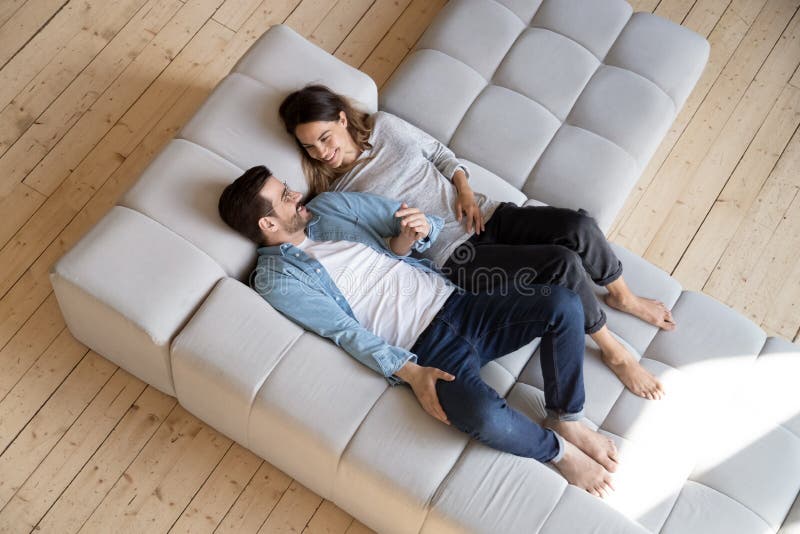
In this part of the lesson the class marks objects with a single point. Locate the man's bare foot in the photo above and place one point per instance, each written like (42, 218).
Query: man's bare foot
(600, 448)
(648, 310)
(583, 472)
(630, 372)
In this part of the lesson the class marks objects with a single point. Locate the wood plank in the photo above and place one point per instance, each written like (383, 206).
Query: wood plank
(783, 311)
(686, 216)
(674, 10)
(234, 13)
(256, 502)
(8, 8)
(46, 484)
(24, 24)
(358, 527)
(771, 273)
(219, 492)
(402, 37)
(98, 46)
(76, 190)
(117, 173)
(338, 23)
(370, 30)
(308, 15)
(47, 44)
(20, 353)
(121, 94)
(720, 222)
(733, 273)
(16, 207)
(329, 519)
(51, 422)
(152, 492)
(108, 463)
(684, 160)
(644, 5)
(38, 383)
(293, 511)
(725, 36)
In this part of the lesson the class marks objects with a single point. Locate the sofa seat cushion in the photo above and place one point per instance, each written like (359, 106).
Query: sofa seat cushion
(180, 189)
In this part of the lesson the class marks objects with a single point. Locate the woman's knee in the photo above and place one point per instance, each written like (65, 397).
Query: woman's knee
(570, 271)
(581, 226)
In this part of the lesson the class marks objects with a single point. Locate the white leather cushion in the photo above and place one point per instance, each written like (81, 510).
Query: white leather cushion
(524, 9)
(713, 344)
(595, 25)
(578, 511)
(476, 32)
(432, 91)
(181, 189)
(626, 109)
(581, 169)
(548, 68)
(491, 185)
(394, 464)
(505, 132)
(492, 492)
(221, 359)
(284, 60)
(308, 409)
(240, 123)
(676, 68)
(702, 509)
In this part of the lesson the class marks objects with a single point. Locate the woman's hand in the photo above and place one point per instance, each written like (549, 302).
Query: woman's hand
(466, 205)
(423, 382)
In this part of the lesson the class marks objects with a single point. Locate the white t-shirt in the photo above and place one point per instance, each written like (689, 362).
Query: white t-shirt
(390, 298)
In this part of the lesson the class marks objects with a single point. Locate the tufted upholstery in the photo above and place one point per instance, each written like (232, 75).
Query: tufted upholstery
(561, 101)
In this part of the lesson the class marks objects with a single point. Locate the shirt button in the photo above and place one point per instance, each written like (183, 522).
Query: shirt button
(317, 270)
(297, 254)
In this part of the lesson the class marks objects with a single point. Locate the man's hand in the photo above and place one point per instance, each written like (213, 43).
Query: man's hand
(466, 205)
(413, 227)
(423, 382)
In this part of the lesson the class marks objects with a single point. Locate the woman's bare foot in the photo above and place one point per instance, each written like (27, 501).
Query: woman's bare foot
(600, 448)
(651, 311)
(630, 372)
(583, 472)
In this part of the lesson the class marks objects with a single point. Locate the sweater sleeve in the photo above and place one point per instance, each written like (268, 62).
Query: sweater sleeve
(437, 153)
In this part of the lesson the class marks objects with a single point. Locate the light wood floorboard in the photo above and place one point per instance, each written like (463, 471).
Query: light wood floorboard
(90, 91)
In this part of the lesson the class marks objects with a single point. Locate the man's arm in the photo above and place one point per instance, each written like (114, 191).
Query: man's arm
(317, 312)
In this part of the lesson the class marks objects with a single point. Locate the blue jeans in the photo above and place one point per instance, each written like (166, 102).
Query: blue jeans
(472, 329)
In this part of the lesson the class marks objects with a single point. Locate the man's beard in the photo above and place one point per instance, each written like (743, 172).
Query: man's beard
(296, 223)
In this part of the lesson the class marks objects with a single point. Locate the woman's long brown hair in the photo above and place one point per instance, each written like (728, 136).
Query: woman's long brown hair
(318, 103)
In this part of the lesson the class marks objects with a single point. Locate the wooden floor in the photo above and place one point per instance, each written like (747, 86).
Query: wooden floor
(90, 90)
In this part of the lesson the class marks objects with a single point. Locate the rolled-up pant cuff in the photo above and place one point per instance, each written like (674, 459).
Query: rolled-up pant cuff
(562, 449)
(600, 323)
(564, 416)
(612, 277)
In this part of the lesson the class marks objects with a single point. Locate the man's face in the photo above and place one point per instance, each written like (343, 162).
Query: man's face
(288, 215)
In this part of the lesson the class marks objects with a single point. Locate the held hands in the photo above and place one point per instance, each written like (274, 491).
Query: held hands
(423, 382)
(413, 227)
(413, 223)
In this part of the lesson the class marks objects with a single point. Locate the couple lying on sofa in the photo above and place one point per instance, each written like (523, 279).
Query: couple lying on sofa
(486, 278)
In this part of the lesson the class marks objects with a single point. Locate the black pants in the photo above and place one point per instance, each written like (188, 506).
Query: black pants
(522, 246)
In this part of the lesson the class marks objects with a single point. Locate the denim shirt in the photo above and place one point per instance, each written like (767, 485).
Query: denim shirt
(298, 286)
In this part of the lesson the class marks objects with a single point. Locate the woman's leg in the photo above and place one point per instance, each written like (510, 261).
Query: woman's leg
(577, 231)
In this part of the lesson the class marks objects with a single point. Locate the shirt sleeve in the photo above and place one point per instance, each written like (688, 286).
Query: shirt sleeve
(314, 310)
(437, 153)
(378, 212)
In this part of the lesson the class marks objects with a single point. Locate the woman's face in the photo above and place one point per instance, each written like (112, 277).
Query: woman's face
(328, 141)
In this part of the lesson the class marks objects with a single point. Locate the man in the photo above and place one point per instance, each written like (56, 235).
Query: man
(340, 267)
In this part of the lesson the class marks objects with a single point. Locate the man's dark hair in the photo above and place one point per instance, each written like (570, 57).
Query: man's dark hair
(241, 206)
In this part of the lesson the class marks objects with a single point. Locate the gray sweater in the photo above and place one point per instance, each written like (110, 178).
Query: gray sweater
(411, 166)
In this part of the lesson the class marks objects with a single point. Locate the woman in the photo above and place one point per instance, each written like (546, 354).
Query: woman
(347, 150)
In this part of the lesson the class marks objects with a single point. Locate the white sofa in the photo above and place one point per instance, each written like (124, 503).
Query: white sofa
(561, 101)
